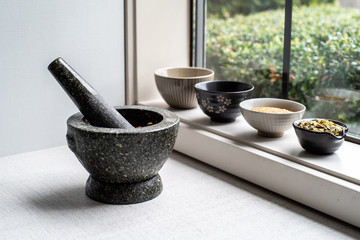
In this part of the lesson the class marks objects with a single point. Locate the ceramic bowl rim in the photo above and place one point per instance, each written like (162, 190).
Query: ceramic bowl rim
(199, 86)
(210, 73)
(296, 123)
(303, 107)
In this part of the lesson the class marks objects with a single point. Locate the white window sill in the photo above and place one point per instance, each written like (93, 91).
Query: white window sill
(329, 183)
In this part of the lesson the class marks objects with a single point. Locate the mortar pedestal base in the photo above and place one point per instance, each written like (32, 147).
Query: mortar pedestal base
(123, 193)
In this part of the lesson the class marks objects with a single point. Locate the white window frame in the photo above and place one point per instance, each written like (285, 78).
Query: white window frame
(275, 170)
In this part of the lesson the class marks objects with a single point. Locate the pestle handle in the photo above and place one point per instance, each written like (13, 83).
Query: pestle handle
(90, 103)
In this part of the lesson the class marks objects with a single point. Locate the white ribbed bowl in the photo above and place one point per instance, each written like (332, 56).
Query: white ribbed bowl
(271, 124)
(176, 84)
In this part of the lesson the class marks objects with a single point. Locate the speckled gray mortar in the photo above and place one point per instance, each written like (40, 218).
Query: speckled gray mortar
(124, 163)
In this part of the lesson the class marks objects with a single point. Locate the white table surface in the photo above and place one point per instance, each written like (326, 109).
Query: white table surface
(42, 197)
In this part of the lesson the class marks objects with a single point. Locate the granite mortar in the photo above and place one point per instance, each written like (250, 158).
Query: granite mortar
(124, 163)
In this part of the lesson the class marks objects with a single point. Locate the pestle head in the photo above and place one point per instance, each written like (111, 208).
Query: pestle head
(91, 104)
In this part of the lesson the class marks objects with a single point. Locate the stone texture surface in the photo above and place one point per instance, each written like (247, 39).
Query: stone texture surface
(92, 105)
(125, 193)
(123, 156)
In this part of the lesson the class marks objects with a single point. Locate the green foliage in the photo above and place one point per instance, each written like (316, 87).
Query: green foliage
(246, 47)
(325, 51)
(229, 8)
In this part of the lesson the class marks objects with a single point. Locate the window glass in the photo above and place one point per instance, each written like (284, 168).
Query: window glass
(244, 42)
(245, 39)
(325, 61)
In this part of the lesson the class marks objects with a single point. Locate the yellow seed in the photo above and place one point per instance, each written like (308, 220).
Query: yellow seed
(322, 125)
(271, 110)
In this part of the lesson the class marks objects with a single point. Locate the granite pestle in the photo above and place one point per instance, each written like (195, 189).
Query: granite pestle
(91, 104)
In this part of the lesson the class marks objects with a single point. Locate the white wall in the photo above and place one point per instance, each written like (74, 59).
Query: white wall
(88, 34)
(162, 40)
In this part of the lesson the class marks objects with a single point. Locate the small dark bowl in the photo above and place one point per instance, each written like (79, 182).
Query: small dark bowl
(319, 142)
(220, 99)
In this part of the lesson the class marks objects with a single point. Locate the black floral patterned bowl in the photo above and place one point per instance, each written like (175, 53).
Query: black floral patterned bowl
(220, 99)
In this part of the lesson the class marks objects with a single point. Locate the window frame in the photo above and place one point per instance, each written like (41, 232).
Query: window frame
(199, 52)
(338, 198)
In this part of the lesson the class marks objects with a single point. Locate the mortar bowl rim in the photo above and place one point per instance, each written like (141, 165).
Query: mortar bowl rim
(169, 120)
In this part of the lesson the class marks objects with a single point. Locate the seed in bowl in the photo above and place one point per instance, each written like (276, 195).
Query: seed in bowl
(271, 110)
(322, 125)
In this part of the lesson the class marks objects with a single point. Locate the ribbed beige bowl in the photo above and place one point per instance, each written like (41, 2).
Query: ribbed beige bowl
(176, 84)
(271, 124)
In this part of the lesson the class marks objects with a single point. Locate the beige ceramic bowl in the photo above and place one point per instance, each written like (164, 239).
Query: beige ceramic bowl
(176, 84)
(271, 124)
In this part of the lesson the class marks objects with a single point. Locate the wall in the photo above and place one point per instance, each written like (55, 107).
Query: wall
(162, 40)
(88, 34)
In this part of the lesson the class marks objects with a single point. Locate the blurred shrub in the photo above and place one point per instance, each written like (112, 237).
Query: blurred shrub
(325, 51)
(229, 8)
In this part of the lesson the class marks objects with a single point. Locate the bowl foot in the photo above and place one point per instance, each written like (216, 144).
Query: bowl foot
(271, 134)
(223, 120)
(123, 193)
